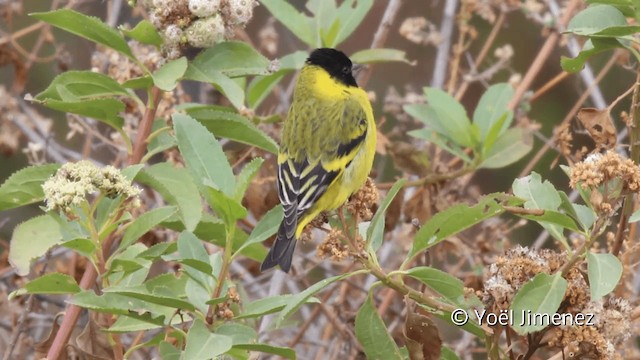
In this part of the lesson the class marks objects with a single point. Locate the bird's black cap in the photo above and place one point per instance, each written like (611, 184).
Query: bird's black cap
(335, 62)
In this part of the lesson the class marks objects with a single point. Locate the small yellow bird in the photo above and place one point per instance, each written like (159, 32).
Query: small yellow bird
(327, 149)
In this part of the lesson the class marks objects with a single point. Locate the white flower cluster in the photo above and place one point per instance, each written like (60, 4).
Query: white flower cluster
(199, 23)
(73, 181)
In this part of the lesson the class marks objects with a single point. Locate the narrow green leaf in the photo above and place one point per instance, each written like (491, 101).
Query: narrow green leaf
(191, 248)
(24, 187)
(202, 344)
(542, 295)
(453, 220)
(350, 13)
(244, 178)
(298, 23)
(53, 283)
(144, 223)
(77, 85)
(221, 82)
(635, 217)
(372, 56)
(445, 284)
(144, 32)
(375, 232)
(88, 27)
(605, 271)
(225, 207)
(104, 110)
(203, 154)
(32, 239)
(166, 78)
(284, 352)
(233, 126)
(373, 334)
(84, 247)
(260, 87)
(177, 187)
(266, 227)
(265, 306)
(554, 217)
(296, 301)
(232, 59)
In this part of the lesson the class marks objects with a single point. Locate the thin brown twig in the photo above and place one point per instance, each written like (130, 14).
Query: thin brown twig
(497, 25)
(380, 37)
(543, 55)
(549, 85)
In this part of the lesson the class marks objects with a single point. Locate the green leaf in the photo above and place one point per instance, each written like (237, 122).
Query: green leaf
(443, 283)
(177, 187)
(233, 126)
(492, 106)
(542, 295)
(512, 146)
(88, 27)
(586, 216)
(448, 354)
(122, 305)
(32, 239)
(225, 207)
(77, 85)
(268, 305)
(239, 333)
(595, 19)
(373, 334)
(166, 78)
(453, 220)
(53, 283)
(164, 290)
(538, 194)
(261, 86)
(145, 33)
(284, 352)
(590, 48)
(232, 59)
(297, 300)
(372, 56)
(217, 65)
(104, 110)
(298, 23)
(24, 187)
(244, 178)
(144, 223)
(375, 232)
(553, 217)
(350, 14)
(605, 271)
(266, 227)
(202, 344)
(440, 141)
(203, 154)
(84, 247)
(635, 217)
(450, 116)
(169, 352)
(199, 269)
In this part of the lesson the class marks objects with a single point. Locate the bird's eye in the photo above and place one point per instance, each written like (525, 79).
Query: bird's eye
(346, 69)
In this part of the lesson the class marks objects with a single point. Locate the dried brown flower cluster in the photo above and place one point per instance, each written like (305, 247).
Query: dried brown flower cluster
(223, 310)
(616, 174)
(363, 201)
(333, 246)
(514, 269)
(420, 31)
(121, 68)
(611, 327)
(9, 134)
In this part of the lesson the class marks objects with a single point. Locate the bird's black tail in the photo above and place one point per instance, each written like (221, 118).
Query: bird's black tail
(281, 253)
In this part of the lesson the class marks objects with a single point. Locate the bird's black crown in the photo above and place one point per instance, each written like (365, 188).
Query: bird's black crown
(335, 62)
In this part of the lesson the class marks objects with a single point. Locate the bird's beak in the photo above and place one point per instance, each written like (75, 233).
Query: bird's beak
(356, 68)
